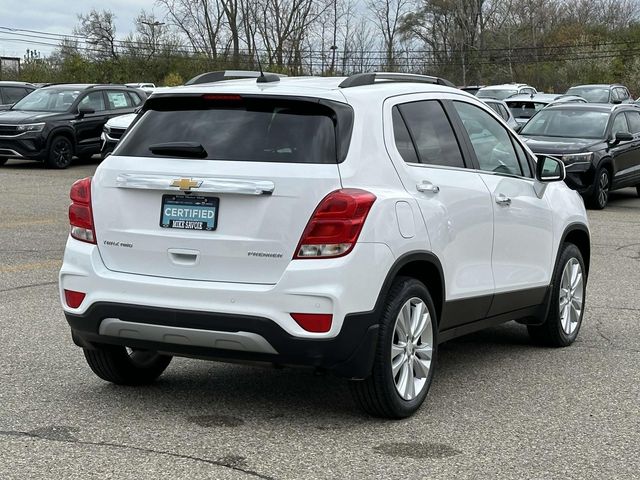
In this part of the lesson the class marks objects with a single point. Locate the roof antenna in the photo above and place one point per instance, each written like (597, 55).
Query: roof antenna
(262, 78)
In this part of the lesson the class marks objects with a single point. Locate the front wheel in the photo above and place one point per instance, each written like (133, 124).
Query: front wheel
(405, 356)
(564, 319)
(126, 366)
(600, 195)
(60, 153)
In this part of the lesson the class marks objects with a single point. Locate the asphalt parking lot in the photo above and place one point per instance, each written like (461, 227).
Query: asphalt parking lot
(499, 406)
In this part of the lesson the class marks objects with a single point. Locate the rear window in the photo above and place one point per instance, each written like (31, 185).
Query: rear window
(237, 129)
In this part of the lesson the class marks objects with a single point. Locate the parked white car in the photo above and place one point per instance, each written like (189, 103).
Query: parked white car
(114, 130)
(349, 224)
(501, 92)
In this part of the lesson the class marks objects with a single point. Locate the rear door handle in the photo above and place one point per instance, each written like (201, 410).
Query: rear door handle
(503, 200)
(426, 186)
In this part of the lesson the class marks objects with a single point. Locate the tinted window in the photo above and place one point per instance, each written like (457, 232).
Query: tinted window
(525, 109)
(490, 140)
(404, 144)
(432, 133)
(118, 100)
(93, 100)
(619, 124)
(13, 94)
(633, 118)
(567, 123)
(243, 130)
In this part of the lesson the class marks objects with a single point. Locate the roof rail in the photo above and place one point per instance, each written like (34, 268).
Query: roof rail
(360, 79)
(221, 75)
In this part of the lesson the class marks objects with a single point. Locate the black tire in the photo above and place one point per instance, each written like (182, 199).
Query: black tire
(637, 188)
(60, 153)
(3, 161)
(377, 395)
(119, 365)
(551, 333)
(600, 195)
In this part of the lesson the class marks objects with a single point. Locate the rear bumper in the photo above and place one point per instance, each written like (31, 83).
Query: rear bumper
(226, 337)
(219, 320)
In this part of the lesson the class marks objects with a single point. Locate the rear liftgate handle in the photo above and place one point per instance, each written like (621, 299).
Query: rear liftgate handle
(427, 186)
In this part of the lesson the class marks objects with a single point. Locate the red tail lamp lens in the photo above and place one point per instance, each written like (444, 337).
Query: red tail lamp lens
(314, 322)
(74, 299)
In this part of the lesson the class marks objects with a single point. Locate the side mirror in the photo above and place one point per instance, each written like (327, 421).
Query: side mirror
(84, 110)
(518, 127)
(616, 102)
(623, 137)
(549, 169)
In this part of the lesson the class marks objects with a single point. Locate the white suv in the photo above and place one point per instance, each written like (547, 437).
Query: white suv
(344, 224)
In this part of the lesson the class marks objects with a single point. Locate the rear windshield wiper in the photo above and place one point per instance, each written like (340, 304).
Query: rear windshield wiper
(179, 149)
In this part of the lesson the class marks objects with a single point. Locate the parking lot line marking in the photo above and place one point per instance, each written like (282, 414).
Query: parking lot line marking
(24, 267)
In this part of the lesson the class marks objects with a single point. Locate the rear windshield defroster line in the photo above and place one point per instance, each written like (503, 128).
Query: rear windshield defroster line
(244, 128)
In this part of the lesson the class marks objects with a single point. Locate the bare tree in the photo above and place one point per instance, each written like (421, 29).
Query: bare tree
(387, 15)
(99, 30)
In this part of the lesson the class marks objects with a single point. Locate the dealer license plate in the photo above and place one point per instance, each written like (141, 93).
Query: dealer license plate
(186, 212)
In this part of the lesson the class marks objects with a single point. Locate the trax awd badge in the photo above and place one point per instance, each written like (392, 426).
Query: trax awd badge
(186, 184)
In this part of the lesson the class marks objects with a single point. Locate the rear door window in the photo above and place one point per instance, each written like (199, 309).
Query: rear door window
(432, 133)
(237, 129)
(118, 100)
(94, 100)
(404, 144)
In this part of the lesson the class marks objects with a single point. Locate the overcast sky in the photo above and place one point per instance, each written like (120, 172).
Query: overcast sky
(60, 16)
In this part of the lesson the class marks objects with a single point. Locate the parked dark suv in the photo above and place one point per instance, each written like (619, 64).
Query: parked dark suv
(11, 92)
(599, 144)
(613, 93)
(55, 123)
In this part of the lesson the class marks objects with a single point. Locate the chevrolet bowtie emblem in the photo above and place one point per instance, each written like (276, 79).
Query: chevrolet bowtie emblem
(186, 184)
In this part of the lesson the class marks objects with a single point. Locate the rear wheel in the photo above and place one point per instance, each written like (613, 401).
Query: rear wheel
(60, 153)
(3, 161)
(564, 319)
(126, 366)
(405, 355)
(600, 195)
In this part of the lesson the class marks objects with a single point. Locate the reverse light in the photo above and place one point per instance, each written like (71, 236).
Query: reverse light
(314, 322)
(336, 224)
(74, 299)
(80, 212)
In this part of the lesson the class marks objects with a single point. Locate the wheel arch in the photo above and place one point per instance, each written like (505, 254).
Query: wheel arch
(62, 132)
(423, 266)
(578, 234)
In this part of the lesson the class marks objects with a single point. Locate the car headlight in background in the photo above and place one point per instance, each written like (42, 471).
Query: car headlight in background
(30, 127)
(577, 158)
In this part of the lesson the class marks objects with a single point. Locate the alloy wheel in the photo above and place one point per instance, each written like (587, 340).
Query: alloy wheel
(412, 348)
(603, 188)
(62, 153)
(571, 298)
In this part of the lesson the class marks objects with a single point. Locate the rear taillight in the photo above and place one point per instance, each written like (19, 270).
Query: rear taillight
(336, 224)
(80, 213)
